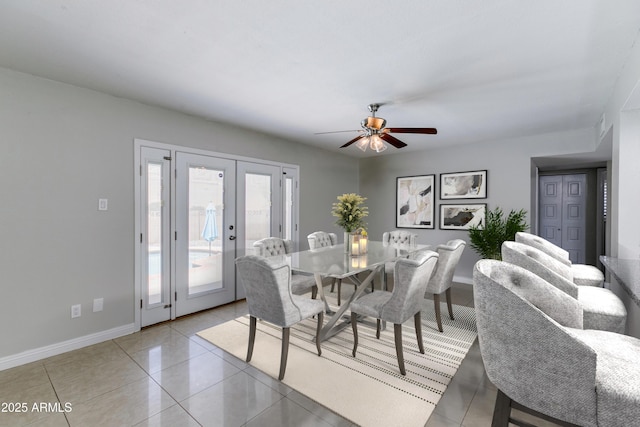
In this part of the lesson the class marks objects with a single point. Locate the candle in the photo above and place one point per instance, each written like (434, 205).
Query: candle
(355, 248)
(363, 245)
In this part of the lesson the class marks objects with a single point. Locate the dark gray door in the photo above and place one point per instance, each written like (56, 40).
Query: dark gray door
(562, 208)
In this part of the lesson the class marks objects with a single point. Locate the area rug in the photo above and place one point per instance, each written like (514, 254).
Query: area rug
(368, 390)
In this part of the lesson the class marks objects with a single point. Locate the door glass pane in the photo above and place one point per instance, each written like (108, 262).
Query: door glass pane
(205, 225)
(288, 208)
(258, 209)
(154, 233)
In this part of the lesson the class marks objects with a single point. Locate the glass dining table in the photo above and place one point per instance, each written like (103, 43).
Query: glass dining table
(334, 261)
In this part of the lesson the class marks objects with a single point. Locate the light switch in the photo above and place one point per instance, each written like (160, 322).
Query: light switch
(103, 204)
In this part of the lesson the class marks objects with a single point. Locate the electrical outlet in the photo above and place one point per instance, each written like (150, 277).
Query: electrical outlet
(98, 304)
(103, 204)
(76, 311)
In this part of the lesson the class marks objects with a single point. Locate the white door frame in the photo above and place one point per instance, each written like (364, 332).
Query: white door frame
(138, 144)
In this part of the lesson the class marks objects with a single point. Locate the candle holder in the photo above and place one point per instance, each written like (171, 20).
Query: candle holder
(354, 243)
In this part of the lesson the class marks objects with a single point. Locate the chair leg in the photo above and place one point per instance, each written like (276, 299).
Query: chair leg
(284, 353)
(397, 332)
(252, 337)
(339, 290)
(502, 410)
(333, 285)
(378, 328)
(354, 326)
(318, 330)
(448, 295)
(436, 302)
(314, 292)
(417, 320)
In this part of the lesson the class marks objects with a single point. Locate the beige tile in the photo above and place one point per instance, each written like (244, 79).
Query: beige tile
(26, 413)
(128, 405)
(51, 420)
(172, 417)
(23, 377)
(194, 375)
(480, 412)
(232, 402)
(147, 338)
(96, 380)
(169, 353)
(78, 361)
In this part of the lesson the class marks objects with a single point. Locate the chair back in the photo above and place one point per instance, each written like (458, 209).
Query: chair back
(544, 245)
(272, 246)
(411, 278)
(399, 238)
(542, 264)
(448, 257)
(267, 285)
(525, 350)
(320, 239)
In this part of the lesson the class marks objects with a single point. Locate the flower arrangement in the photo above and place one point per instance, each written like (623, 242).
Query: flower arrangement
(350, 211)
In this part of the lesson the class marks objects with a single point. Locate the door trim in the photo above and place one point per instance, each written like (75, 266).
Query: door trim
(138, 143)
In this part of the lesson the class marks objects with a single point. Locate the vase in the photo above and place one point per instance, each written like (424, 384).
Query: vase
(346, 242)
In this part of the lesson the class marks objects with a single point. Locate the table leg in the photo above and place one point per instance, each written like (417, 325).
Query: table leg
(330, 328)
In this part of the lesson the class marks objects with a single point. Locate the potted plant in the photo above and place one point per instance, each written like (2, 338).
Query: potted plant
(350, 211)
(487, 238)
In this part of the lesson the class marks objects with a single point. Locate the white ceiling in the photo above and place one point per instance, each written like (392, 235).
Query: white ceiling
(476, 70)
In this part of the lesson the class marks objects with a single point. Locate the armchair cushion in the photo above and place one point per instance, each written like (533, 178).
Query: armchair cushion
(617, 376)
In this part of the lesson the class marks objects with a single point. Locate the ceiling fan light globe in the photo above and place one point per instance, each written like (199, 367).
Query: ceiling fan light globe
(377, 144)
(363, 143)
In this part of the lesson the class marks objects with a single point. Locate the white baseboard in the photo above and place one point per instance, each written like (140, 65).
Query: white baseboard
(62, 347)
(465, 280)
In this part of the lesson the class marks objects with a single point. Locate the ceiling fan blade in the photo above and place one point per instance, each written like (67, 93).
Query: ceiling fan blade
(393, 140)
(352, 141)
(431, 131)
(338, 131)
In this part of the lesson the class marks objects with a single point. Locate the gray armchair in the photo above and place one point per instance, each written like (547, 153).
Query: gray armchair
(541, 360)
(603, 310)
(274, 246)
(449, 256)
(412, 275)
(267, 282)
(582, 274)
(397, 239)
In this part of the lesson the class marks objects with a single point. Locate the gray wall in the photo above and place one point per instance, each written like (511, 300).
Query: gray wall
(509, 180)
(62, 148)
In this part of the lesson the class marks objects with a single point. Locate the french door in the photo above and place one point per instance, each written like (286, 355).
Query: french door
(205, 232)
(197, 213)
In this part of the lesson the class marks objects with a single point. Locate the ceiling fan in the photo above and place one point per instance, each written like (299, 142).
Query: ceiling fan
(374, 133)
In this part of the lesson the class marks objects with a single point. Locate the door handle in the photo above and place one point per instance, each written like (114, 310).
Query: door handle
(232, 237)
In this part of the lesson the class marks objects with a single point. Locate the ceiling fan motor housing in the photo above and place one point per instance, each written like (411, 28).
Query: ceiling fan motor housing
(373, 123)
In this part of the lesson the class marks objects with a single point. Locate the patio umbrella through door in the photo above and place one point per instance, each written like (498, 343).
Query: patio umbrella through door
(210, 230)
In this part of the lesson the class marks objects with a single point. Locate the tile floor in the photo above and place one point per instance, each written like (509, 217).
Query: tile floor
(167, 376)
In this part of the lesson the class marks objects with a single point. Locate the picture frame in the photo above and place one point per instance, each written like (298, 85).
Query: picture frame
(463, 185)
(462, 216)
(415, 201)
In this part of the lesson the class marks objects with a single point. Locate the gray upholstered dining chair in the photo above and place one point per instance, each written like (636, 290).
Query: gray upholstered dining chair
(267, 282)
(582, 274)
(405, 301)
(274, 246)
(541, 360)
(449, 256)
(398, 239)
(322, 239)
(603, 310)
